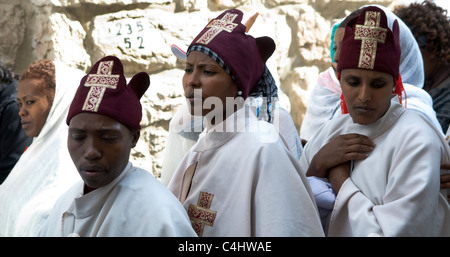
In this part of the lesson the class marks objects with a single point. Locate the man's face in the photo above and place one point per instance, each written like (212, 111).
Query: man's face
(100, 147)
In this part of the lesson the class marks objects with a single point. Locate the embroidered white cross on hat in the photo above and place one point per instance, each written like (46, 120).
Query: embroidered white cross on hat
(370, 33)
(99, 83)
(217, 26)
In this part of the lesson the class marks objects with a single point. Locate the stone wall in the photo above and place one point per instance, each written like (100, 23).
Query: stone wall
(140, 32)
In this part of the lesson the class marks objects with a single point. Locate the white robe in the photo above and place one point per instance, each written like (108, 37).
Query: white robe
(247, 183)
(395, 190)
(183, 136)
(45, 170)
(133, 204)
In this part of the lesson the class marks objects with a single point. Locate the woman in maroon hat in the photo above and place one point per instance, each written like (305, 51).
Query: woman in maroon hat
(382, 160)
(113, 198)
(239, 179)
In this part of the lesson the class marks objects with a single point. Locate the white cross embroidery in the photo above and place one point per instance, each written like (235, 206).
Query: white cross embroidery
(217, 26)
(99, 83)
(370, 34)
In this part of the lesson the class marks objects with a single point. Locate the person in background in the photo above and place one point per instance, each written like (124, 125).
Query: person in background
(13, 140)
(431, 28)
(114, 198)
(45, 170)
(324, 96)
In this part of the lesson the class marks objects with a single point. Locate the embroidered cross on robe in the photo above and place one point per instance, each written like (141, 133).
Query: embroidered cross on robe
(217, 26)
(99, 83)
(370, 33)
(201, 214)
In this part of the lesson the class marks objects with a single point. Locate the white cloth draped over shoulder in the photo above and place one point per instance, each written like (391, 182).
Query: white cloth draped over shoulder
(184, 130)
(324, 99)
(45, 170)
(245, 182)
(323, 103)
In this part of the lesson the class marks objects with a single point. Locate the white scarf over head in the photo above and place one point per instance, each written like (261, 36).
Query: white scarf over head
(45, 170)
(412, 71)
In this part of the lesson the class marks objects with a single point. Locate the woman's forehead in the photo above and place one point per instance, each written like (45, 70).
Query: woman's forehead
(370, 74)
(30, 87)
(200, 58)
(94, 121)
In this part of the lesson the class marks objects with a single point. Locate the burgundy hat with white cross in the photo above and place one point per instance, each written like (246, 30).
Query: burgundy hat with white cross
(369, 44)
(243, 54)
(104, 90)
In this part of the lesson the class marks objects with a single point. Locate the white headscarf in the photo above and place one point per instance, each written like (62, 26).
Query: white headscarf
(45, 170)
(324, 102)
(412, 71)
(411, 62)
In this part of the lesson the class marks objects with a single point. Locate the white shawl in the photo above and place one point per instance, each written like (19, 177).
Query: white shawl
(45, 170)
(184, 130)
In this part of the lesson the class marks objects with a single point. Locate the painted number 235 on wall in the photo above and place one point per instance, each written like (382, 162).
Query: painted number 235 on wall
(128, 31)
